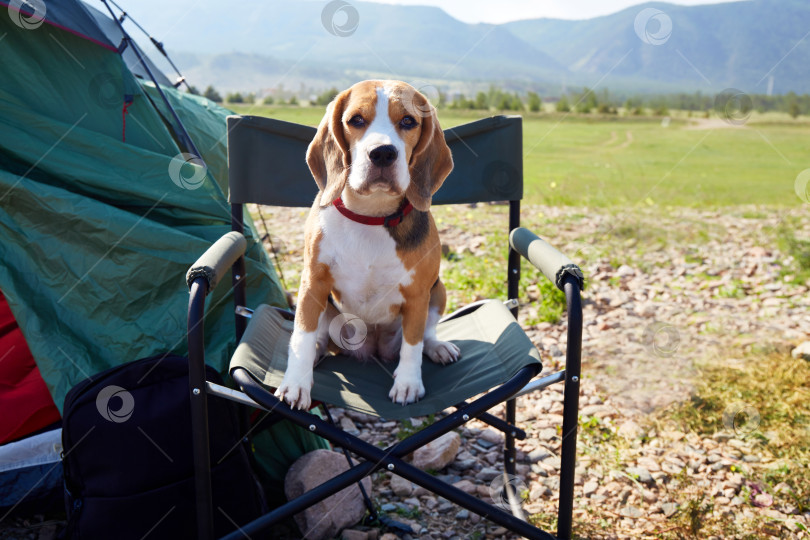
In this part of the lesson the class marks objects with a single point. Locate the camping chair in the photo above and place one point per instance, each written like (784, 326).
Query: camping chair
(267, 166)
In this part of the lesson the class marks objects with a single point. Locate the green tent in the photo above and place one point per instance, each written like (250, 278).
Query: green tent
(101, 213)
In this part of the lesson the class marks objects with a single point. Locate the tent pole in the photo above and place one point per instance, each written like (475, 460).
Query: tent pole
(182, 134)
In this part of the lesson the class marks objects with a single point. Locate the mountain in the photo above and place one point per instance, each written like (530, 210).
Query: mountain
(711, 47)
(257, 44)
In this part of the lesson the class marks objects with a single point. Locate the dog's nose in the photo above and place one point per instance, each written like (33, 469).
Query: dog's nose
(383, 156)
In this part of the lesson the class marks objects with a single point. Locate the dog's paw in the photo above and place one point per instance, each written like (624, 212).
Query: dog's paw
(407, 388)
(442, 352)
(295, 392)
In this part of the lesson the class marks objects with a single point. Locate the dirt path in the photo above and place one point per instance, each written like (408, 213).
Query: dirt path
(712, 123)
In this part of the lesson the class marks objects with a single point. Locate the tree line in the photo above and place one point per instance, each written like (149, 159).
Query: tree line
(585, 101)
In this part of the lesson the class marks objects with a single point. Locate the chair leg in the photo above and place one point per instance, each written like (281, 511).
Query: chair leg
(509, 463)
(568, 452)
(199, 412)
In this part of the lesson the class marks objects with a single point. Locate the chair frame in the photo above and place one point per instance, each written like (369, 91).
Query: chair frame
(566, 276)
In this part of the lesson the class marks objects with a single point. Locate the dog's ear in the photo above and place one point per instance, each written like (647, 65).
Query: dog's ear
(431, 160)
(328, 155)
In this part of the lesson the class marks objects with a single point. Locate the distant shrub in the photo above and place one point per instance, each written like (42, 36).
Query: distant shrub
(234, 97)
(605, 108)
(534, 102)
(212, 94)
(562, 105)
(269, 100)
(326, 97)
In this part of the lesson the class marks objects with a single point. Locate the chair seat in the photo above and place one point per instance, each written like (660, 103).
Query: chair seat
(493, 348)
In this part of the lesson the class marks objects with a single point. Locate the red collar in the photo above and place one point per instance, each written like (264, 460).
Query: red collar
(389, 221)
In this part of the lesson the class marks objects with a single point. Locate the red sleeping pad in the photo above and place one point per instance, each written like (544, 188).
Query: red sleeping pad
(24, 399)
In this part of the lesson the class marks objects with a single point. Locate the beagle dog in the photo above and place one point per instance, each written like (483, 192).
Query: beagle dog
(371, 259)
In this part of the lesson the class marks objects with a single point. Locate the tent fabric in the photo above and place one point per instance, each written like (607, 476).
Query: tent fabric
(114, 35)
(97, 232)
(22, 389)
(68, 16)
(493, 349)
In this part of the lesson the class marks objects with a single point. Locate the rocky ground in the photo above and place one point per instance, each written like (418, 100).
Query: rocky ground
(672, 294)
(668, 291)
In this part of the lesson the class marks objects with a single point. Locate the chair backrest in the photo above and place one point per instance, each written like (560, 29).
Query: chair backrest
(267, 165)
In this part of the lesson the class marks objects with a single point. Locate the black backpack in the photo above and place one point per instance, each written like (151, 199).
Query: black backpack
(128, 459)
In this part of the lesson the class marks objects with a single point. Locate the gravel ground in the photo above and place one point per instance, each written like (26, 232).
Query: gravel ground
(668, 290)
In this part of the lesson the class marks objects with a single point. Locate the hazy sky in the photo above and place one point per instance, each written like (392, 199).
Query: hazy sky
(499, 11)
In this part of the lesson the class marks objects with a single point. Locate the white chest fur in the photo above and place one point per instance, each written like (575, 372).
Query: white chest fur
(365, 266)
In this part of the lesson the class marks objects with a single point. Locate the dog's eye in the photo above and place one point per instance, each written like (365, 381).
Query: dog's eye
(357, 121)
(407, 123)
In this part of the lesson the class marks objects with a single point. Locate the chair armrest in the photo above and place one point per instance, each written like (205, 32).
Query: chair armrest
(553, 264)
(217, 260)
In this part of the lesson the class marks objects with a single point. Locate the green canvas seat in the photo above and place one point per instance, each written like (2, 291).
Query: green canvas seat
(493, 348)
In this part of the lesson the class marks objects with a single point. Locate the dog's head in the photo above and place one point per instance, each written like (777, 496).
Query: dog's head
(380, 136)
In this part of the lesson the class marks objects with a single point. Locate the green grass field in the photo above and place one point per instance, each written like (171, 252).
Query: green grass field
(605, 161)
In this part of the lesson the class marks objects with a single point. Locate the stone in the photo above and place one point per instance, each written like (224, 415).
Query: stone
(401, 487)
(335, 513)
(641, 474)
(388, 507)
(413, 502)
(589, 488)
(487, 474)
(491, 436)
(802, 351)
(649, 463)
(630, 430)
(353, 534)
(437, 454)
(538, 492)
(631, 512)
(722, 436)
(625, 271)
(466, 486)
(463, 514)
(347, 425)
(669, 508)
(464, 464)
(538, 454)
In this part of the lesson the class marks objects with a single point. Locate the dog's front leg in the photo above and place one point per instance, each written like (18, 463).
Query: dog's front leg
(296, 386)
(408, 385)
